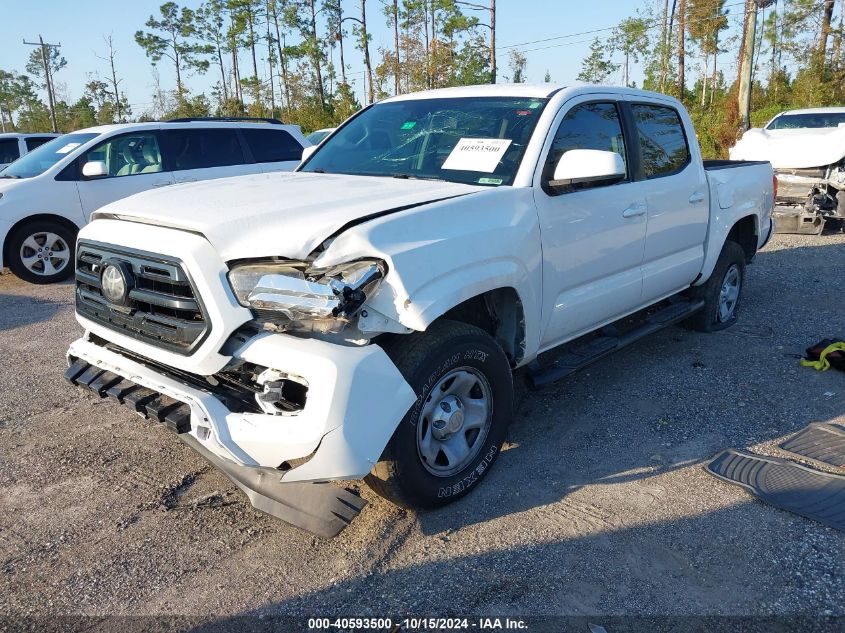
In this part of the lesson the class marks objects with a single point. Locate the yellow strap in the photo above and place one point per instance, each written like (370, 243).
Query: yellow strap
(822, 364)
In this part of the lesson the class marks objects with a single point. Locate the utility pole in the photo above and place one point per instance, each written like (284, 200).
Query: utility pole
(747, 59)
(47, 76)
(492, 41)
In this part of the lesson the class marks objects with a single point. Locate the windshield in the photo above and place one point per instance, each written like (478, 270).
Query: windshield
(808, 120)
(467, 140)
(42, 158)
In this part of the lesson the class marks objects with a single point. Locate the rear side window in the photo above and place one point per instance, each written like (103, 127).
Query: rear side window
(663, 144)
(270, 146)
(201, 148)
(9, 150)
(32, 143)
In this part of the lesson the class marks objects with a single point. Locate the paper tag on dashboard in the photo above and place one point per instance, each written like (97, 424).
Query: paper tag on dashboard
(477, 154)
(68, 148)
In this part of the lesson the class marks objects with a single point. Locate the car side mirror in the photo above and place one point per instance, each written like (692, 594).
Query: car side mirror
(95, 169)
(307, 151)
(588, 165)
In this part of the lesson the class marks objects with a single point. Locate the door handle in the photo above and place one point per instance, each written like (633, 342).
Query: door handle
(634, 210)
(162, 183)
(696, 198)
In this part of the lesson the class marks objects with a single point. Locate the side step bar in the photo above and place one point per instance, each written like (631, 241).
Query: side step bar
(579, 357)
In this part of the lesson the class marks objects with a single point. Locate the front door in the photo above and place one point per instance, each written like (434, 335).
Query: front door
(133, 164)
(592, 234)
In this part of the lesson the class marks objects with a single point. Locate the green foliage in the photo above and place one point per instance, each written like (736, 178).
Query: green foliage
(597, 67)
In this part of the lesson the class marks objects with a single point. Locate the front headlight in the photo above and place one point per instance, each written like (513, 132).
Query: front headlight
(292, 295)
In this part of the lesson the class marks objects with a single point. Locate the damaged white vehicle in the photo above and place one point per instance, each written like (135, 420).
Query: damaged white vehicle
(362, 317)
(807, 150)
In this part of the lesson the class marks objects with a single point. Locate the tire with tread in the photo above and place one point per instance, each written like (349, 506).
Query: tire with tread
(423, 358)
(707, 319)
(17, 238)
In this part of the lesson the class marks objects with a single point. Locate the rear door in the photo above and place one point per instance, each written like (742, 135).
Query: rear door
(677, 196)
(593, 234)
(201, 153)
(273, 149)
(134, 164)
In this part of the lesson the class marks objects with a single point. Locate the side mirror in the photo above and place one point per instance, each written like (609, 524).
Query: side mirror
(306, 152)
(95, 169)
(588, 165)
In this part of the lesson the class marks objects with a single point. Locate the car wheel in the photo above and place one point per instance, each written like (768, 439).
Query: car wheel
(454, 431)
(721, 293)
(41, 252)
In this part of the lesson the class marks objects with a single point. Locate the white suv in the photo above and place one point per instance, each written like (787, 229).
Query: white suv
(14, 145)
(49, 194)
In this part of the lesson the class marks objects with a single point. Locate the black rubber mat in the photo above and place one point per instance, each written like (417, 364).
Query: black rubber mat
(819, 441)
(786, 485)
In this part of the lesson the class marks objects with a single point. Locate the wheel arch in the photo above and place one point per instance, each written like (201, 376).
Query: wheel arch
(745, 233)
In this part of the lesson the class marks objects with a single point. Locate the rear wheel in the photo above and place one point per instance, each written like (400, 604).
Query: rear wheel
(41, 252)
(453, 433)
(721, 293)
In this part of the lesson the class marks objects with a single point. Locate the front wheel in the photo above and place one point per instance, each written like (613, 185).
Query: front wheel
(454, 431)
(41, 252)
(721, 293)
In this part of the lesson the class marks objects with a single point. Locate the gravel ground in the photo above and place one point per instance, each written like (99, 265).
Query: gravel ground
(599, 505)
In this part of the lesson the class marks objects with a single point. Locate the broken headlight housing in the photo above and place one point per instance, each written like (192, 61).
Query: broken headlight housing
(296, 296)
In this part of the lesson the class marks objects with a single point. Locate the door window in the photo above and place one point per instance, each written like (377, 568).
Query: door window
(586, 126)
(128, 154)
(202, 148)
(36, 141)
(663, 144)
(270, 146)
(8, 150)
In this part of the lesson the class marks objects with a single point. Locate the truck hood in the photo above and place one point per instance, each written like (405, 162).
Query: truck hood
(279, 214)
(799, 148)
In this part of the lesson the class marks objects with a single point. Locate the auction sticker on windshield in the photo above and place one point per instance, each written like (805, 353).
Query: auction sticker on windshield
(477, 154)
(68, 148)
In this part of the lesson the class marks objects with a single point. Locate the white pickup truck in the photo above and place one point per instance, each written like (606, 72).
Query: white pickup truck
(362, 317)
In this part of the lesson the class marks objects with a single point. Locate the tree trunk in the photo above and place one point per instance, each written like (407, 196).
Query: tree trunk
(315, 55)
(283, 62)
(366, 42)
(339, 37)
(682, 10)
(492, 41)
(746, 63)
(704, 68)
(664, 44)
(117, 111)
(256, 91)
(398, 64)
(827, 16)
(270, 63)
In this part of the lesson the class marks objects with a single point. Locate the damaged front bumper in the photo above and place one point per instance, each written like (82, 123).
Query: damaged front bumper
(807, 198)
(355, 399)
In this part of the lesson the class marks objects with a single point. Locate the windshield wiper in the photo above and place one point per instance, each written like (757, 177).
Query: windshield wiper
(413, 177)
(8, 176)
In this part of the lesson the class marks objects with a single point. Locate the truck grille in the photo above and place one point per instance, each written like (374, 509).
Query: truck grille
(161, 307)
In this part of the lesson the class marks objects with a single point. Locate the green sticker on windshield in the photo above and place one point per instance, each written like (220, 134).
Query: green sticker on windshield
(534, 105)
(408, 125)
(489, 181)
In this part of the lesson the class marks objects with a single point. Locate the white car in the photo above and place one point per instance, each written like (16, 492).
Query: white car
(807, 150)
(14, 145)
(318, 135)
(361, 317)
(49, 194)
